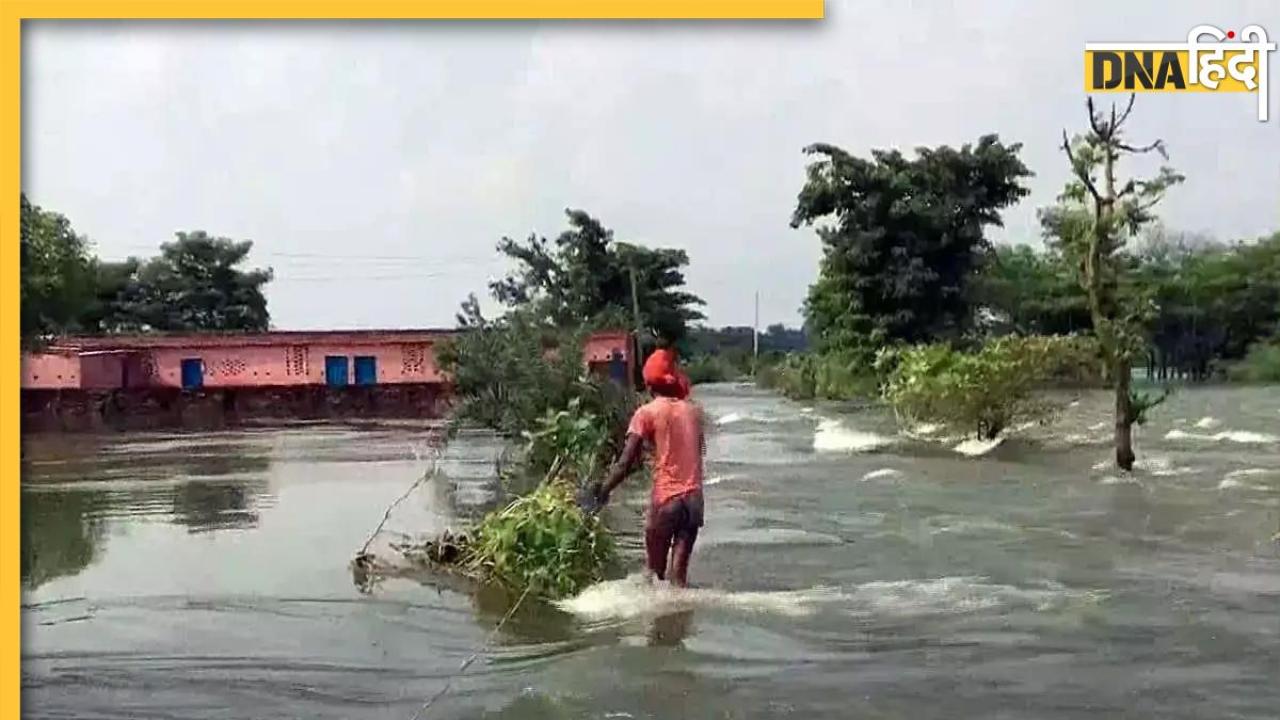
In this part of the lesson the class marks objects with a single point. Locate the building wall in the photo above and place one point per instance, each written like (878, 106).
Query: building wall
(102, 371)
(266, 365)
(51, 370)
(286, 360)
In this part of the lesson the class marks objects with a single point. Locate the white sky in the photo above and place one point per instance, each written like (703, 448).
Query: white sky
(376, 164)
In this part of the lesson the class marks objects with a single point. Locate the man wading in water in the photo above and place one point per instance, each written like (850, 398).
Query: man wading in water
(673, 427)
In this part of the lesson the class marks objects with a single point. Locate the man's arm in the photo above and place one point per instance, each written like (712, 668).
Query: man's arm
(627, 460)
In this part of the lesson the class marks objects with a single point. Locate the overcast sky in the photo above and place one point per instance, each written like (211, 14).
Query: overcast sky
(375, 165)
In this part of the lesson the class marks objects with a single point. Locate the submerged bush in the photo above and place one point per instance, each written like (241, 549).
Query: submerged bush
(984, 391)
(1260, 365)
(575, 442)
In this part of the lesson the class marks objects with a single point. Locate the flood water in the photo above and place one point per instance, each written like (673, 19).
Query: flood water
(846, 571)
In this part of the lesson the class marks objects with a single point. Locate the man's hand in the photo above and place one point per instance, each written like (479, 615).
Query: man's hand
(600, 493)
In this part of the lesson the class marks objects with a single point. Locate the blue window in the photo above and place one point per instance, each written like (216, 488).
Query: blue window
(366, 370)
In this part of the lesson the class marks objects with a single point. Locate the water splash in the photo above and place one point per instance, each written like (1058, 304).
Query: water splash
(637, 596)
(974, 447)
(1244, 437)
(834, 436)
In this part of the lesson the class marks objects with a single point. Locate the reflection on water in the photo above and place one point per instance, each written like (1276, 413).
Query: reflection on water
(846, 570)
(60, 534)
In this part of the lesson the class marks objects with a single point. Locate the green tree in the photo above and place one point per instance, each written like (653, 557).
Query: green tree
(195, 284)
(57, 273)
(1095, 216)
(902, 238)
(509, 372)
(585, 276)
(1030, 293)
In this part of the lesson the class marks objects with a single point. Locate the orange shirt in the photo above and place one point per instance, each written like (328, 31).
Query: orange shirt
(673, 428)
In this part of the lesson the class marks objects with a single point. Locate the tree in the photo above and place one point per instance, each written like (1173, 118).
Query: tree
(1096, 214)
(194, 285)
(1027, 292)
(116, 288)
(902, 238)
(585, 276)
(57, 273)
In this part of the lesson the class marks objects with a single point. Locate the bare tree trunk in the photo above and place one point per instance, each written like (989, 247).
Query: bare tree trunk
(1124, 417)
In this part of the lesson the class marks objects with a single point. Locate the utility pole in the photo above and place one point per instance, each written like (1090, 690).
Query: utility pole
(755, 338)
(635, 302)
(635, 328)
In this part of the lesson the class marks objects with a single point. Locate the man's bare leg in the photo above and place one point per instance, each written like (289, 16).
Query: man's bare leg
(681, 550)
(657, 543)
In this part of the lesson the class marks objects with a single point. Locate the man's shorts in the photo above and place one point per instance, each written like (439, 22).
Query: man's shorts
(680, 513)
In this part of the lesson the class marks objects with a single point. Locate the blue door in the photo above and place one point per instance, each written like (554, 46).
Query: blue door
(366, 370)
(335, 370)
(192, 373)
(618, 368)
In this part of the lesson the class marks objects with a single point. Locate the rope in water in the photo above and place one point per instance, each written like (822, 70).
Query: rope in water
(467, 663)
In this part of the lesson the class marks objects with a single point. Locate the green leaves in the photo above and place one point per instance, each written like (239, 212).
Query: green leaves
(512, 373)
(542, 541)
(981, 392)
(585, 276)
(57, 273)
(194, 284)
(901, 238)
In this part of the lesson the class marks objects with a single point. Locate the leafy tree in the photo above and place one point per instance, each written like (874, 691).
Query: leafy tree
(1027, 292)
(902, 238)
(57, 273)
(195, 284)
(116, 288)
(585, 276)
(1095, 216)
(508, 373)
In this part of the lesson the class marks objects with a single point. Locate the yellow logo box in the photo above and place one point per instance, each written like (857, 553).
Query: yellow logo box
(1140, 70)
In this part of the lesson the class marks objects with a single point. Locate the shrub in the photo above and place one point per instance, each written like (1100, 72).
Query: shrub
(1260, 365)
(984, 391)
(830, 376)
(711, 369)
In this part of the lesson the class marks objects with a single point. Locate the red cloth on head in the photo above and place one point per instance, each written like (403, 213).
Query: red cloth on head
(661, 371)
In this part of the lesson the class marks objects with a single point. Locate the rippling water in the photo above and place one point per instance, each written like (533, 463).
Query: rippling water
(846, 570)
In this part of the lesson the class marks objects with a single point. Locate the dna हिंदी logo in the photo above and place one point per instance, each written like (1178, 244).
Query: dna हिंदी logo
(1209, 61)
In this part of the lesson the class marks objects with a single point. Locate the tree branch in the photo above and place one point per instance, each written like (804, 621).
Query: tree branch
(1128, 109)
(1158, 146)
(1093, 120)
(1080, 171)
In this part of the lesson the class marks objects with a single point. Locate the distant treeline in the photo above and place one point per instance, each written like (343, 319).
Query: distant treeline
(728, 353)
(194, 284)
(1207, 303)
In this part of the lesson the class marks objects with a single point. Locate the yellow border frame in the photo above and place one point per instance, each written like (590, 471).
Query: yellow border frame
(11, 16)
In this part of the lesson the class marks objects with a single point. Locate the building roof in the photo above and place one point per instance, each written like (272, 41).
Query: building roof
(275, 337)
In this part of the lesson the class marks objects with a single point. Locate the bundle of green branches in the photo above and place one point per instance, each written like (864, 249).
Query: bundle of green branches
(543, 541)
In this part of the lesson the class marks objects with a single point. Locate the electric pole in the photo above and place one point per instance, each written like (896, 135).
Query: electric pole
(755, 338)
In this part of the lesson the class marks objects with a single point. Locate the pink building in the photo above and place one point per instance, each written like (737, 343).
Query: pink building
(272, 359)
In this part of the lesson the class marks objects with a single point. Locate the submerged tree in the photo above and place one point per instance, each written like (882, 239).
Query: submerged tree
(1095, 216)
(901, 239)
